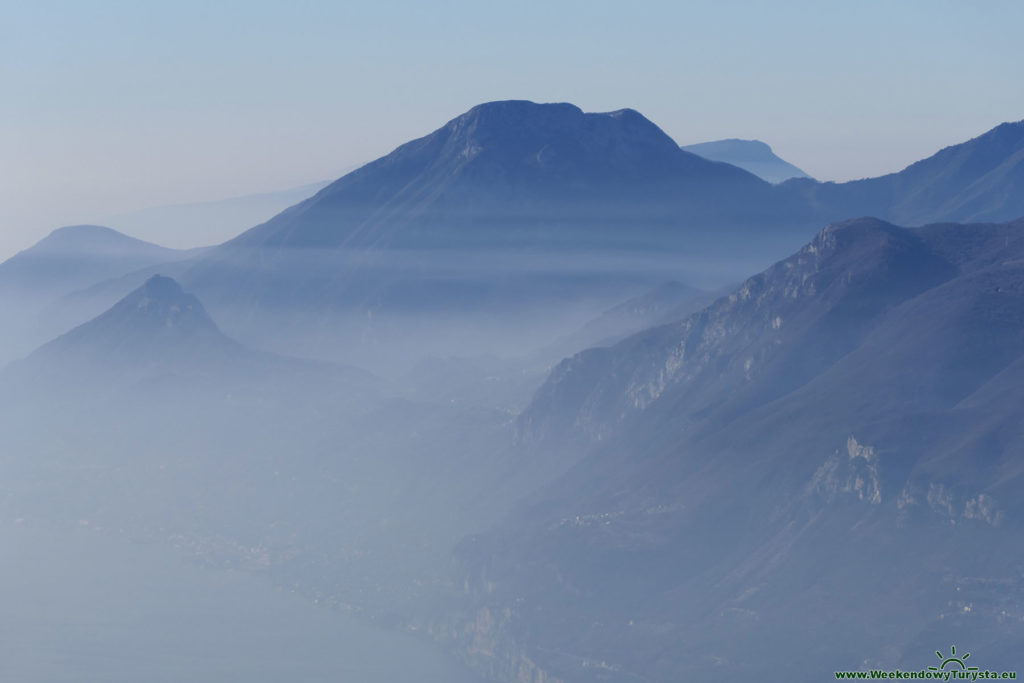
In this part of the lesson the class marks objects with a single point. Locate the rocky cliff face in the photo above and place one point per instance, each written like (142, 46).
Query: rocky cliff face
(780, 328)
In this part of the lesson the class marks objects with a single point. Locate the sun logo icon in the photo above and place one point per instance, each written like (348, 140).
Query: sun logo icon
(960, 661)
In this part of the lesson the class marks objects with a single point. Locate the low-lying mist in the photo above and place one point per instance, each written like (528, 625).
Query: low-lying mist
(337, 439)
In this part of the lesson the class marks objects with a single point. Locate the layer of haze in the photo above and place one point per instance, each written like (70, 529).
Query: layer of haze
(116, 106)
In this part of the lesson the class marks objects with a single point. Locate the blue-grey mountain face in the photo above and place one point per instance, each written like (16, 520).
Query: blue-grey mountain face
(750, 155)
(158, 322)
(517, 173)
(829, 456)
(978, 180)
(511, 207)
(156, 336)
(525, 174)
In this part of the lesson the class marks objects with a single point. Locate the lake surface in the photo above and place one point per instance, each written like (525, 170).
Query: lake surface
(77, 606)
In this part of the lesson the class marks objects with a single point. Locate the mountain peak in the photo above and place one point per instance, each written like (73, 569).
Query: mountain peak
(560, 131)
(508, 169)
(161, 286)
(521, 108)
(518, 113)
(161, 303)
(155, 323)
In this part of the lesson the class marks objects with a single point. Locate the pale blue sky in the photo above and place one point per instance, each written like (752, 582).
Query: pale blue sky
(107, 107)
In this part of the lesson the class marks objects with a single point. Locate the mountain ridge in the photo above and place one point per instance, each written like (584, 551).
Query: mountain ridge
(978, 180)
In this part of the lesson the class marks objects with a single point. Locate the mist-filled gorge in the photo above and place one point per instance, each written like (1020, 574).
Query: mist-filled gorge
(544, 394)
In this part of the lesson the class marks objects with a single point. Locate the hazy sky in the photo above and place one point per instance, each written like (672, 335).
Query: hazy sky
(107, 107)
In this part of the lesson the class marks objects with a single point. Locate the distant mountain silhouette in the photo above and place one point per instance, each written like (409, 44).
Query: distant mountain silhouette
(156, 316)
(750, 155)
(750, 464)
(69, 259)
(156, 325)
(77, 256)
(161, 334)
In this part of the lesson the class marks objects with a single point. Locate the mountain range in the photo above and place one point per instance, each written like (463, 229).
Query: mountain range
(456, 223)
(815, 469)
(442, 223)
(828, 455)
(453, 223)
(516, 172)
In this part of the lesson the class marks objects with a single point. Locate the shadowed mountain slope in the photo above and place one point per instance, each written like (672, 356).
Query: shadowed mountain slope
(516, 172)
